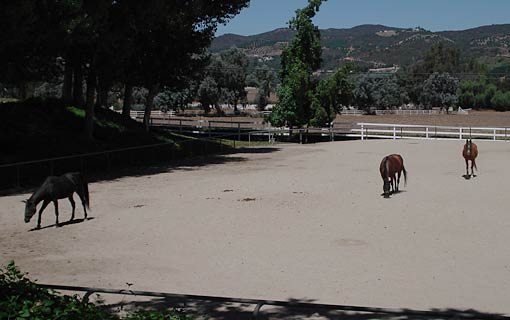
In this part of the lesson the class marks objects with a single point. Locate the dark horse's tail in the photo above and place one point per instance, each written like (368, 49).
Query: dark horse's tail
(85, 189)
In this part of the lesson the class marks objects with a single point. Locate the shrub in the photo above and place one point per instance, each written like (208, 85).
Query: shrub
(20, 298)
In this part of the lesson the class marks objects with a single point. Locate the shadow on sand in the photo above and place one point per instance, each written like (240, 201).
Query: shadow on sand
(392, 193)
(63, 224)
(186, 164)
(237, 311)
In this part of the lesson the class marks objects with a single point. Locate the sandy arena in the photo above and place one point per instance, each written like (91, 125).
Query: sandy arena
(293, 221)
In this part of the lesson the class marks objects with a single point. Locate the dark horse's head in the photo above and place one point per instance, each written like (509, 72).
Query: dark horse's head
(29, 210)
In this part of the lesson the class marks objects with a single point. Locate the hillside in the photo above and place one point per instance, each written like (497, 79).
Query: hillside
(378, 45)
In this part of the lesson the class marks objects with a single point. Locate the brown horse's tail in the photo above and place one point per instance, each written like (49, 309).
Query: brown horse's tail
(474, 164)
(405, 175)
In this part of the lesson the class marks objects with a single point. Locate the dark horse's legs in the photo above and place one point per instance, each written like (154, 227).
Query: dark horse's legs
(55, 202)
(44, 205)
(73, 206)
(467, 168)
(80, 193)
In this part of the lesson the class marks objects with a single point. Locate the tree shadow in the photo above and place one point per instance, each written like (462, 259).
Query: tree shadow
(213, 310)
(63, 224)
(140, 170)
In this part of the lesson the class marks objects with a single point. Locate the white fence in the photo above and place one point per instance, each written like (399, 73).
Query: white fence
(406, 131)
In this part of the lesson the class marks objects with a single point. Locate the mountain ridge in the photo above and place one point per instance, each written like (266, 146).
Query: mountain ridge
(379, 45)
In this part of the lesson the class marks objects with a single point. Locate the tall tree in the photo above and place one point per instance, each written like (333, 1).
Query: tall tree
(440, 90)
(299, 60)
(330, 95)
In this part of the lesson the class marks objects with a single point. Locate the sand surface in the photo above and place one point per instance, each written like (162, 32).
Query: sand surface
(293, 221)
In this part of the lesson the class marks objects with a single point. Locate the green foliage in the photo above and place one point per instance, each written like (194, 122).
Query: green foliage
(330, 95)
(440, 90)
(379, 91)
(299, 60)
(158, 315)
(20, 298)
(293, 107)
(476, 94)
(501, 101)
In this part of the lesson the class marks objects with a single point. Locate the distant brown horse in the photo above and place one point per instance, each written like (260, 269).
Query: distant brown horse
(470, 152)
(391, 169)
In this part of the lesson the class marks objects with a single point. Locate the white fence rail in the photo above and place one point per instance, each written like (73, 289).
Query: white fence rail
(399, 131)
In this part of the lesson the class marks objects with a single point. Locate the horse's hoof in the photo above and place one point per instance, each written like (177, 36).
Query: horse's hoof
(38, 227)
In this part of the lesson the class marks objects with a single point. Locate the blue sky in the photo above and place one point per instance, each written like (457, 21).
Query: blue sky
(434, 15)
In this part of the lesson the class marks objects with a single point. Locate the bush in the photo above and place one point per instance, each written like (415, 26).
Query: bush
(501, 101)
(21, 298)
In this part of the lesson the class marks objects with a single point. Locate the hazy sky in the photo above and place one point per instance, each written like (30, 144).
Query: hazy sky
(434, 15)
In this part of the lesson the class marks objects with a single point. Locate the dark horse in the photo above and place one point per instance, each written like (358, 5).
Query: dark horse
(55, 188)
(391, 169)
(470, 152)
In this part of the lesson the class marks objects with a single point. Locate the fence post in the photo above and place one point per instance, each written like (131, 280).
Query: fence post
(494, 137)
(239, 131)
(460, 133)
(427, 132)
(300, 137)
(394, 132)
(435, 132)
(401, 135)
(362, 132)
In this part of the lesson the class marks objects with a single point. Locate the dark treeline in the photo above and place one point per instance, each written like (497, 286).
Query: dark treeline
(89, 46)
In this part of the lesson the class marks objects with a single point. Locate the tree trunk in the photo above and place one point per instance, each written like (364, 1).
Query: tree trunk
(128, 99)
(67, 88)
(78, 83)
(102, 97)
(89, 107)
(153, 91)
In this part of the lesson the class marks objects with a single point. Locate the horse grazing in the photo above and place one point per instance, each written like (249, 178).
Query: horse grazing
(470, 152)
(391, 169)
(54, 188)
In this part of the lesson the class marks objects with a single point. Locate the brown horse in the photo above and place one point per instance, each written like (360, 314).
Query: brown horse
(470, 152)
(391, 169)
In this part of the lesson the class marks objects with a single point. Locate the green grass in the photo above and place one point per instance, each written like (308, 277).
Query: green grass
(104, 123)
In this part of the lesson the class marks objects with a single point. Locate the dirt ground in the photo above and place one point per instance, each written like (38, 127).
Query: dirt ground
(473, 119)
(289, 222)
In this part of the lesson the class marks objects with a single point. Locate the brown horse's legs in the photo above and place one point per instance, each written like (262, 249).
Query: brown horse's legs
(398, 179)
(44, 205)
(467, 168)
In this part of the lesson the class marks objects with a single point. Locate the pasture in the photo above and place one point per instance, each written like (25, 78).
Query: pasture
(289, 221)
